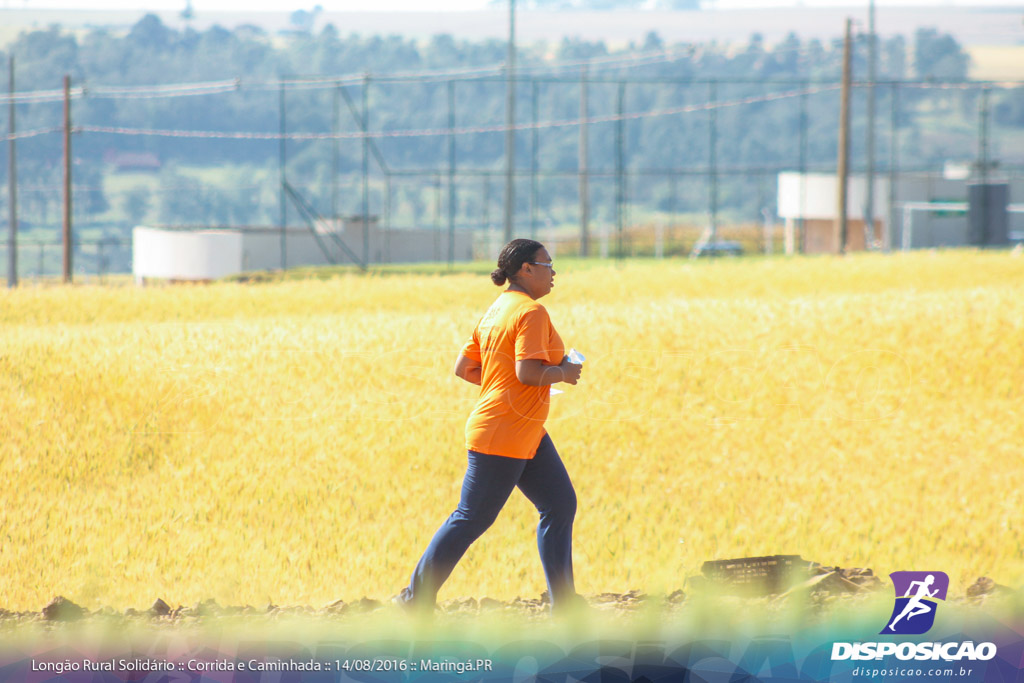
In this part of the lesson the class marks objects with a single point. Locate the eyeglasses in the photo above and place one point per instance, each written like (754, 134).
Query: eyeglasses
(546, 265)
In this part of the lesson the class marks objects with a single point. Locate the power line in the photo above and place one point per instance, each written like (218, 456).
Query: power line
(533, 72)
(433, 132)
(161, 91)
(125, 92)
(36, 96)
(31, 133)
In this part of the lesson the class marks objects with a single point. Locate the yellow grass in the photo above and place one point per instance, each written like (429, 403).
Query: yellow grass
(299, 442)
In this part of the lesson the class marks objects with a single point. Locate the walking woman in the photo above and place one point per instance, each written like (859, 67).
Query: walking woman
(515, 355)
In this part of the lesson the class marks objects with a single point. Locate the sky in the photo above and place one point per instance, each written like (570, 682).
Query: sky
(436, 5)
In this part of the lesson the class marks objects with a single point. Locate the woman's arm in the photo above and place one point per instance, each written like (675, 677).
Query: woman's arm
(535, 373)
(468, 369)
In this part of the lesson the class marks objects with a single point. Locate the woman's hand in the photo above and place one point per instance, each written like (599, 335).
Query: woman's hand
(570, 371)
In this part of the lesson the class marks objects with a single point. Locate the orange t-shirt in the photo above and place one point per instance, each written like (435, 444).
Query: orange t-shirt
(509, 416)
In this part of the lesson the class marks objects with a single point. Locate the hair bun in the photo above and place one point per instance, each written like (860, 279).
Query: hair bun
(512, 257)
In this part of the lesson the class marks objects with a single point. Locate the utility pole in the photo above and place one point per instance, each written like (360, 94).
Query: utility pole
(583, 164)
(842, 175)
(451, 174)
(798, 240)
(713, 158)
(620, 169)
(12, 179)
(533, 165)
(983, 134)
(869, 209)
(68, 246)
(366, 169)
(894, 148)
(983, 155)
(510, 122)
(281, 161)
(336, 154)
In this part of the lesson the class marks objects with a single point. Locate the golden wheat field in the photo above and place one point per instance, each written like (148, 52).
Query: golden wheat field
(298, 442)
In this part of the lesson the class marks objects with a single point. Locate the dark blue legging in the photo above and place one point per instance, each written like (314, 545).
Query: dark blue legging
(488, 484)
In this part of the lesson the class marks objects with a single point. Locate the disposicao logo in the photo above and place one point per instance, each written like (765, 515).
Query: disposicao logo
(917, 596)
(917, 599)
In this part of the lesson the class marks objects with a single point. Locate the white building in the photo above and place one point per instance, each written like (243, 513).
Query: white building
(174, 254)
(900, 219)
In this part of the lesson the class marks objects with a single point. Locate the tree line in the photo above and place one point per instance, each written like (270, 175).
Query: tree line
(761, 133)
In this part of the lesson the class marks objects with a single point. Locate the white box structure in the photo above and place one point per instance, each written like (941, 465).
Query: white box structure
(177, 255)
(200, 255)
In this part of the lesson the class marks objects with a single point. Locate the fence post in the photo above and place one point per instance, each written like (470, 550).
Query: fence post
(281, 161)
(387, 216)
(510, 123)
(437, 217)
(335, 153)
(620, 198)
(983, 133)
(894, 147)
(841, 225)
(68, 246)
(451, 174)
(584, 180)
(713, 158)
(533, 165)
(672, 207)
(366, 169)
(869, 211)
(801, 225)
(12, 179)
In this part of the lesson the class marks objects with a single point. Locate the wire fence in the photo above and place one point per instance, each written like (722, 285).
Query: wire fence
(644, 165)
(42, 260)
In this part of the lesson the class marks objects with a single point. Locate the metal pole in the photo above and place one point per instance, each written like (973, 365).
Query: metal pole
(769, 227)
(533, 167)
(510, 122)
(619, 167)
(893, 160)
(583, 167)
(983, 134)
(842, 175)
(366, 169)
(335, 152)
(673, 194)
(908, 224)
(983, 153)
(387, 216)
(801, 222)
(12, 179)
(451, 174)
(713, 157)
(67, 233)
(486, 217)
(869, 209)
(437, 217)
(282, 159)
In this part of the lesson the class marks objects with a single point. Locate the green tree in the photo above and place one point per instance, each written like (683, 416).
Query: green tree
(939, 56)
(136, 204)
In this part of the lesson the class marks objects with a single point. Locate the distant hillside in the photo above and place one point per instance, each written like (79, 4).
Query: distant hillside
(970, 26)
(207, 156)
